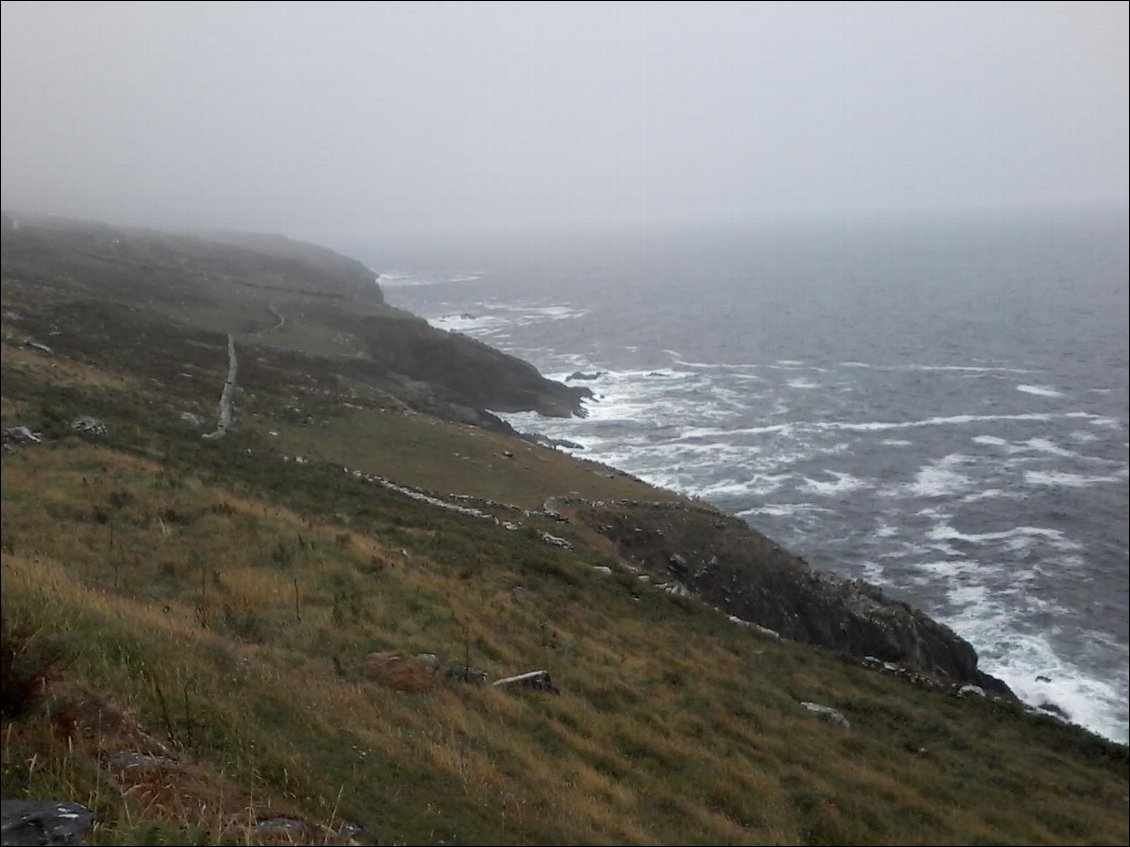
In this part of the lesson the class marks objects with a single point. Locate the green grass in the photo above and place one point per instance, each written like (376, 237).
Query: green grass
(216, 605)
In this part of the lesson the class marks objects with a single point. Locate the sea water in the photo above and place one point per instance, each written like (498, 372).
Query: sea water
(936, 405)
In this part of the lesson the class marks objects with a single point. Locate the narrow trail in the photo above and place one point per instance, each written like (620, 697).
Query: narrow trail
(226, 395)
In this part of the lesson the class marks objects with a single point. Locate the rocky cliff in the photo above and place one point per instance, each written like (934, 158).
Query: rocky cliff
(271, 290)
(748, 575)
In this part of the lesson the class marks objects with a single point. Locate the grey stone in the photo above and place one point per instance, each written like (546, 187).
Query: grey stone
(43, 822)
(827, 713)
(89, 425)
(537, 680)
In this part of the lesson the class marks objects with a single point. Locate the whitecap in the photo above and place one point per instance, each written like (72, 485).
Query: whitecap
(991, 440)
(782, 510)
(1070, 480)
(1039, 390)
(801, 383)
(1082, 436)
(939, 479)
(401, 279)
(896, 442)
(1017, 538)
(969, 369)
(1037, 675)
(843, 483)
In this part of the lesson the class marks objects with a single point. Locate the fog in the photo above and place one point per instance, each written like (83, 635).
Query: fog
(347, 123)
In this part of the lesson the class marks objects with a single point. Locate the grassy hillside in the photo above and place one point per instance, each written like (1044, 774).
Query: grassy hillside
(238, 641)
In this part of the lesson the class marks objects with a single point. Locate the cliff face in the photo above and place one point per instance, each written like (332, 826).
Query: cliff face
(466, 371)
(749, 576)
(271, 290)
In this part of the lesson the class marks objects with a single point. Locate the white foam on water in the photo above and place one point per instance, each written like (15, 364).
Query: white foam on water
(1016, 538)
(939, 479)
(782, 510)
(402, 279)
(1039, 390)
(883, 426)
(1099, 420)
(968, 369)
(791, 363)
(1070, 480)
(990, 494)
(469, 324)
(841, 484)
(1082, 436)
(885, 531)
(1098, 703)
(854, 365)
(991, 440)
(1045, 445)
(802, 383)
(896, 442)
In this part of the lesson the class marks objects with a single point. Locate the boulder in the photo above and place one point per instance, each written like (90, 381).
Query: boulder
(827, 713)
(537, 680)
(21, 435)
(44, 822)
(89, 425)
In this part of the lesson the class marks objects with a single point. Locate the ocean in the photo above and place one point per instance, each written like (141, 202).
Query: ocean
(938, 405)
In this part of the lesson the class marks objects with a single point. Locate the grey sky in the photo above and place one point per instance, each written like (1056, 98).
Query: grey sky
(330, 121)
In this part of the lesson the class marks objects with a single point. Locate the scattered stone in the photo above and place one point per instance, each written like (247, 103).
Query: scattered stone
(127, 759)
(193, 420)
(676, 588)
(21, 435)
(537, 680)
(280, 823)
(1042, 678)
(827, 713)
(44, 822)
(89, 425)
(761, 630)
(464, 673)
(556, 541)
(970, 690)
(35, 345)
(602, 569)
(520, 592)
(583, 375)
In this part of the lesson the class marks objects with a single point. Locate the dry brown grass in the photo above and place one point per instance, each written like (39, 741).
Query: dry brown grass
(173, 596)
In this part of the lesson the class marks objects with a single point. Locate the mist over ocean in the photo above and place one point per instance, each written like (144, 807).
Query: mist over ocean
(937, 406)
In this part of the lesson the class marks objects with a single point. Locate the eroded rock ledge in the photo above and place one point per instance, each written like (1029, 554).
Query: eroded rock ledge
(748, 575)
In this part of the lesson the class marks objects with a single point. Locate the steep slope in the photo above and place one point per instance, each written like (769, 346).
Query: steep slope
(271, 291)
(277, 636)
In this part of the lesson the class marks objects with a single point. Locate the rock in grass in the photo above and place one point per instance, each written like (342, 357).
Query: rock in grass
(537, 680)
(88, 425)
(44, 822)
(21, 435)
(827, 713)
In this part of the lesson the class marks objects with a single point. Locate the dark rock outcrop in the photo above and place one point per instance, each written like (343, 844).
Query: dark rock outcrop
(746, 574)
(44, 822)
(464, 371)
